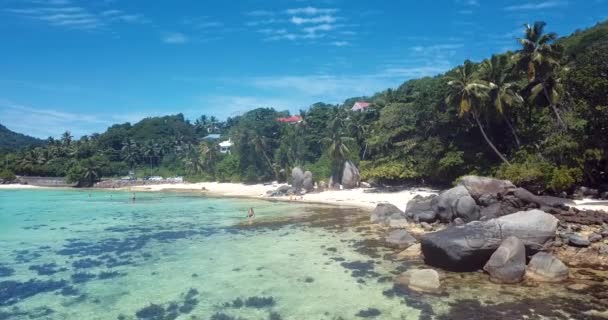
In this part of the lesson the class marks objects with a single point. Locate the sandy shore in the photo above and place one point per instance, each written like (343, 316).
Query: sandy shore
(18, 186)
(363, 198)
(354, 197)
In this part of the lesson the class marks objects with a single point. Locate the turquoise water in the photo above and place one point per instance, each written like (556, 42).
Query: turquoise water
(73, 254)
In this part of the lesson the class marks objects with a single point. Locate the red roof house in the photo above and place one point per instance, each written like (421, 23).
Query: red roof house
(292, 119)
(360, 106)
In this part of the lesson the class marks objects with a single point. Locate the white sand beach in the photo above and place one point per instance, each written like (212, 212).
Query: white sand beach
(360, 197)
(355, 197)
(18, 186)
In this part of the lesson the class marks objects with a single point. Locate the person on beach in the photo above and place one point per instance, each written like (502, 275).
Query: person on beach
(250, 215)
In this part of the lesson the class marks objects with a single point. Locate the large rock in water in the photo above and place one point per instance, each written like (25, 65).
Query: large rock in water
(508, 263)
(545, 267)
(425, 280)
(297, 176)
(453, 203)
(308, 183)
(478, 186)
(400, 239)
(468, 247)
(419, 209)
(383, 212)
(350, 176)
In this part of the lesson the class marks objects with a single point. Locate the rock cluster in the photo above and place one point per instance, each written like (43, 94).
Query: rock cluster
(495, 226)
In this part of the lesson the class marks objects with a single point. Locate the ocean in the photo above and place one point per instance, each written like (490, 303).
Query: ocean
(81, 254)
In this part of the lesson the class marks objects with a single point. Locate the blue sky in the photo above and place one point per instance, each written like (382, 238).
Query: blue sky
(83, 65)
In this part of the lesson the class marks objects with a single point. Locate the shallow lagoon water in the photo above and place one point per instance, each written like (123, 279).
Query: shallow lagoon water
(71, 254)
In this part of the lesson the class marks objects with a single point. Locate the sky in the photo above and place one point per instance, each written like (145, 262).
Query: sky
(84, 65)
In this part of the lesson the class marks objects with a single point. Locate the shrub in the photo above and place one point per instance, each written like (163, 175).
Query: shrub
(227, 170)
(74, 174)
(387, 171)
(528, 171)
(7, 175)
(564, 178)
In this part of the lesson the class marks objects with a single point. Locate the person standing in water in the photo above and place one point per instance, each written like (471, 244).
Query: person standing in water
(250, 214)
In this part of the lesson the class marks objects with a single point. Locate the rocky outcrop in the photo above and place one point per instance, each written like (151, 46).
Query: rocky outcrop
(297, 177)
(423, 280)
(508, 263)
(419, 209)
(350, 176)
(468, 247)
(453, 203)
(545, 267)
(384, 212)
(399, 239)
(308, 183)
(479, 186)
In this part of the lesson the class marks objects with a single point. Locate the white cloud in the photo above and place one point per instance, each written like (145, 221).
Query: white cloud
(340, 43)
(306, 24)
(62, 13)
(311, 11)
(174, 38)
(319, 19)
(536, 5)
(43, 123)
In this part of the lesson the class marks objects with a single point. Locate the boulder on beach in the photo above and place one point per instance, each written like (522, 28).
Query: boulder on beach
(508, 263)
(444, 205)
(545, 267)
(399, 239)
(468, 247)
(424, 280)
(297, 176)
(419, 209)
(384, 212)
(479, 186)
(350, 176)
(308, 183)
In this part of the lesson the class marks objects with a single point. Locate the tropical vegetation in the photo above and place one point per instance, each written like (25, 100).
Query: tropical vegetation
(537, 116)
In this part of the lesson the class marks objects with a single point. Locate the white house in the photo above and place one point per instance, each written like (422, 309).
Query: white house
(225, 146)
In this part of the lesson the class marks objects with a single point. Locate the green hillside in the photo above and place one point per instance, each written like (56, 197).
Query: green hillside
(11, 141)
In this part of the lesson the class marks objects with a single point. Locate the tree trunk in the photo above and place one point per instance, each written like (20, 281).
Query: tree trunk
(560, 122)
(483, 132)
(513, 131)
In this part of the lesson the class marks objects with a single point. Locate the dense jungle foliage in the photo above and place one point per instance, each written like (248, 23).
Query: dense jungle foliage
(537, 116)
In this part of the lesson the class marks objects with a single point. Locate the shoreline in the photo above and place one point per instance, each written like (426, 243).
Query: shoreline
(365, 198)
(353, 197)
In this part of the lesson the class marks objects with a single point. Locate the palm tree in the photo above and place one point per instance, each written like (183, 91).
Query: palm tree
(338, 153)
(260, 145)
(66, 138)
(468, 93)
(192, 162)
(129, 152)
(209, 155)
(540, 57)
(91, 173)
(503, 91)
(336, 145)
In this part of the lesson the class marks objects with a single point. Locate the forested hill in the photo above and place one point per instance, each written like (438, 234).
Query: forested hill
(11, 141)
(537, 116)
